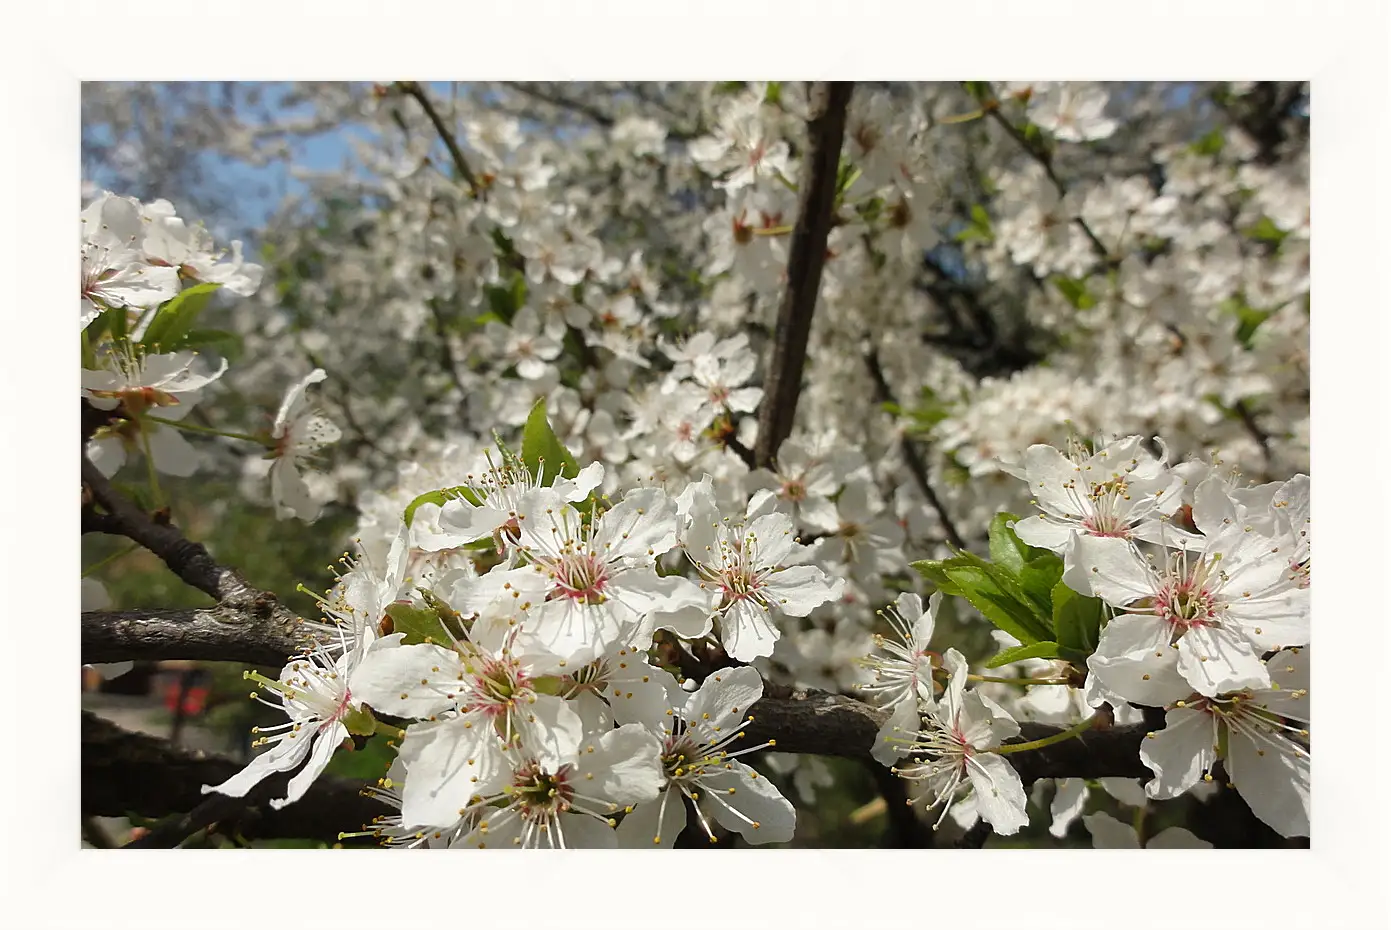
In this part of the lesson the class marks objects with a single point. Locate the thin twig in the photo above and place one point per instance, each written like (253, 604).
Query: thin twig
(539, 92)
(911, 456)
(1045, 160)
(816, 194)
(1248, 420)
(414, 89)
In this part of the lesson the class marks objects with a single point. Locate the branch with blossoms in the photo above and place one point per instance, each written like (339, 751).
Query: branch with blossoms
(632, 615)
(1040, 154)
(125, 773)
(816, 195)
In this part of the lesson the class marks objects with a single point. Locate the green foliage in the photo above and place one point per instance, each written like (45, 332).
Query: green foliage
(1020, 590)
(544, 454)
(1074, 290)
(1265, 230)
(360, 722)
(1248, 318)
(925, 414)
(1210, 144)
(440, 497)
(418, 623)
(366, 764)
(505, 300)
(847, 173)
(979, 228)
(224, 343)
(1076, 619)
(112, 321)
(1047, 650)
(174, 320)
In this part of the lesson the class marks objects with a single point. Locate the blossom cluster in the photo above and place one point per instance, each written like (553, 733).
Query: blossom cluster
(1202, 595)
(1008, 266)
(534, 712)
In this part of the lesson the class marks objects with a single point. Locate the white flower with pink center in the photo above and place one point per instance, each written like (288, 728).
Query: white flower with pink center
(487, 505)
(115, 271)
(1202, 620)
(317, 691)
(903, 678)
(953, 751)
(478, 698)
(1119, 491)
(589, 586)
(300, 431)
(1261, 735)
(569, 803)
(750, 568)
(699, 762)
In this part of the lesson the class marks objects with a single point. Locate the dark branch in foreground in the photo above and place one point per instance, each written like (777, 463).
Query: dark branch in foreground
(800, 721)
(816, 194)
(127, 773)
(825, 724)
(131, 773)
(208, 634)
(185, 558)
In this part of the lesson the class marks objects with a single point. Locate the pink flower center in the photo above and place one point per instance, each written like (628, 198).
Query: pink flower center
(580, 576)
(1185, 603)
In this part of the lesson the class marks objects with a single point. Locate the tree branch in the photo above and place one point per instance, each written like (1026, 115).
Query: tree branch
(1045, 160)
(414, 89)
(126, 773)
(189, 560)
(209, 634)
(538, 92)
(916, 465)
(816, 194)
(801, 721)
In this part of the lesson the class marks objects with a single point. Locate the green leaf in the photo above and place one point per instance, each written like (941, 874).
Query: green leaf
(1035, 570)
(504, 300)
(1006, 549)
(1210, 144)
(989, 593)
(930, 410)
(440, 497)
(224, 343)
(1074, 290)
(1248, 318)
(847, 173)
(544, 454)
(418, 623)
(1077, 619)
(112, 320)
(174, 321)
(1039, 576)
(360, 722)
(979, 216)
(978, 228)
(1266, 231)
(935, 574)
(1044, 650)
